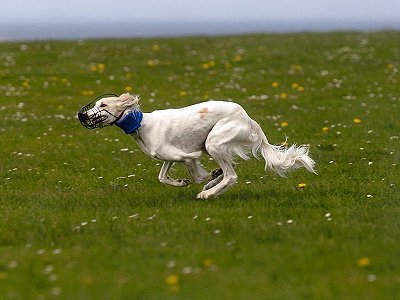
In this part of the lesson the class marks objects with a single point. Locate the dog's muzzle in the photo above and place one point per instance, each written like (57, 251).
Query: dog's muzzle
(97, 116)
(95, 119)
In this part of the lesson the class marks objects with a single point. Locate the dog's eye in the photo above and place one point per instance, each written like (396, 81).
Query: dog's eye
(103, 105)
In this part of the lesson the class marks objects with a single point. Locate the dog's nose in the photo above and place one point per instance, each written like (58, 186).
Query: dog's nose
(82, 117)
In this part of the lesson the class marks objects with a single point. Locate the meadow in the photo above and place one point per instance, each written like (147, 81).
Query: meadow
(83, 216)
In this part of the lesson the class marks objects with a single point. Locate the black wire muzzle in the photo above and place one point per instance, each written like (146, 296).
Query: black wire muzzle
(97, 118)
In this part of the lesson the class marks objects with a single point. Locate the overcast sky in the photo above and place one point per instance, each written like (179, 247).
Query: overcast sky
(82, 11)
(73, 19)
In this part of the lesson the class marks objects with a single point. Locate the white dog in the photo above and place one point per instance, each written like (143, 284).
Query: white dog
(221, 129)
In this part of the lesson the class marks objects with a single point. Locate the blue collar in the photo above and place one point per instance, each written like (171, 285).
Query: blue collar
(131, 122)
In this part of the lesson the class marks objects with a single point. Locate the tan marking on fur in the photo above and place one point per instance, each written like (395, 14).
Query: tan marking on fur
(203, 112)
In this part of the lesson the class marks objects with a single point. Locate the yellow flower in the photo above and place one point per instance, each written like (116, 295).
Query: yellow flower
(363, 262)
(390, 66)
(3, 275)
(275, 84)
(300, 89)
(88, 93)
(172, 279)
(297, 87)
(283, 95)
(237, 58)
(296, 67)
(153, 62)
(182, 93)
(156, 47)
(128, 88)
(25, 83)
(357, 121)
(93, 68)
(284, 124)
(301, 185)
(325, 129)
(205, 66)
(211, 63)
(208, 262)
(101, 67)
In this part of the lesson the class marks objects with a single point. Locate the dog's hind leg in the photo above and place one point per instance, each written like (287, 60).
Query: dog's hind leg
(196, 170)
(199, 174)
(164, 178)
(224, 181)
(227, 138)
(213, 182)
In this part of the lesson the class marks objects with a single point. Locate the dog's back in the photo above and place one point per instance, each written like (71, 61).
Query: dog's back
(207, 111)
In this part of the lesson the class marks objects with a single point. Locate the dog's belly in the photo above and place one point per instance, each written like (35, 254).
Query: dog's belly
(187, 142)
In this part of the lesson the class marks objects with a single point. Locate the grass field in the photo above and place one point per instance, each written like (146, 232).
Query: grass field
(84, 217)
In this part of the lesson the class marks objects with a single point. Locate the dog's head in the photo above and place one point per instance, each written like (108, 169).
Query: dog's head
(107, 110)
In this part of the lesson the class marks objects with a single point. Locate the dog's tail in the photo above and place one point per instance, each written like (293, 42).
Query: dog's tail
(279, 158)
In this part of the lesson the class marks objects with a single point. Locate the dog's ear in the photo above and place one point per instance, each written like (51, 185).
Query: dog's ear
(129, 100)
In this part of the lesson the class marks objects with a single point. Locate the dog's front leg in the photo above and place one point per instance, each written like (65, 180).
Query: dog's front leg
(164, 178)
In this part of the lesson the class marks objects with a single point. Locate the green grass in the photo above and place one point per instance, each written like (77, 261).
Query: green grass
(72, 228)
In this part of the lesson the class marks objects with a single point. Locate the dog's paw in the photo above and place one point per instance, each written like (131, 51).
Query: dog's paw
(216, 173)
(203, 195)
(184, 182)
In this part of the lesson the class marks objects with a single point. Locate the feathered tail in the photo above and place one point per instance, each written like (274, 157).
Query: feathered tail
(281, 159)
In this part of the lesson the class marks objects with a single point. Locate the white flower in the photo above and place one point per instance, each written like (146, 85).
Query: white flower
(12, 264)
(57, 251)
(187, 270)
(171, 264)
(371, 277)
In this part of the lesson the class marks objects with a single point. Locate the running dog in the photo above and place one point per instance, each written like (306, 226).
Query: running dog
(221, 129)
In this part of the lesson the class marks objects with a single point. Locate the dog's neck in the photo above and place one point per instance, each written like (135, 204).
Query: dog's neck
(130, 121)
